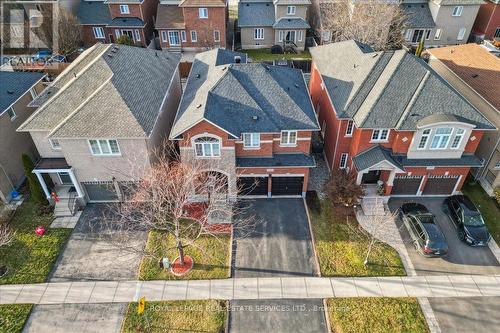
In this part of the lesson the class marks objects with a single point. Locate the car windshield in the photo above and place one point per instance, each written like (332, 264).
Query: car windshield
(475, 220)
(426, 218)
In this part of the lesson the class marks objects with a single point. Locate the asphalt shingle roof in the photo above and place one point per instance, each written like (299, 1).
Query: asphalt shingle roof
(14, 85)
(244, 98)
(391, 89)
(374, 155)
(418, 15)
(127, 22)
(256, 14)
(465, 160)
(93, 12)
(169, 17)
(116, 96)
(277, 160)
(291, 23)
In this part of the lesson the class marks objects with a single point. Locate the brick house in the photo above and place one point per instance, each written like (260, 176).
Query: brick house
(106, 20)
(250, 123)
(192, 24)
(487, 24)
(389, 119)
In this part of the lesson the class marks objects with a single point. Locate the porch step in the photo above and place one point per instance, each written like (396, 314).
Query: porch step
(61, 208)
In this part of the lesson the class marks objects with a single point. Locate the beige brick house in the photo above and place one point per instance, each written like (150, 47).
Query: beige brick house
(98, 122)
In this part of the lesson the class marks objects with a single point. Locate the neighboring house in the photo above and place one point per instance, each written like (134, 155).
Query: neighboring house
(439, 22)
(192, 24)
(17, 90)
(487, 24)
(266, 23)
(475, 73)
(97, 124)
(389, 119)
(250, 123)
(106, 20)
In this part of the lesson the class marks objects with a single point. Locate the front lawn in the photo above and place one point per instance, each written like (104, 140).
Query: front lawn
(30, 257)
(210, 255)
(13, 316)
(176, 316)
(259, 55)
(487, 206)
(342, 247)
(376, 315)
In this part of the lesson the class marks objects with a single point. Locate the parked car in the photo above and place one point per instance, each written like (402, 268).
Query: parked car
(43, 54)
(426, 235)
(467, 220)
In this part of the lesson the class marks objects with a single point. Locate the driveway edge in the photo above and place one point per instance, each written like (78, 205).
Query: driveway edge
(430, 318)
(492, 244)
(316, 260)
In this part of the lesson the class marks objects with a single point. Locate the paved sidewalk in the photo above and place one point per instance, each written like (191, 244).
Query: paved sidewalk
(252, 288)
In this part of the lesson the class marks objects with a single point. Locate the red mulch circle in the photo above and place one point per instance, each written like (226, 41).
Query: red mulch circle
(196, 210)
(179, 270)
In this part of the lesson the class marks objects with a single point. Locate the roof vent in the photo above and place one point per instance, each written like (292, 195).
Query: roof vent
(248, 5)
(198, 106)
(10, 92)
(156, 54)
(475, 75)
(114, 50)
(198, 76)
(354, 66)
(237, 59)
(422, 6)
(267, 4)
(109, 55)
(296, 85)
(267, 67)
(74, 74)
(224, 68)
(115, 46)
(255, 117)
(374, 55)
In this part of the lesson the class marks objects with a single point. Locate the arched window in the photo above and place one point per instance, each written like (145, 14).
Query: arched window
(207, 147)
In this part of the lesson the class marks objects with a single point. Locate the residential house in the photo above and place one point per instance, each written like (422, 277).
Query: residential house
(251, 123)
(439, 22)
(392, 121)
(192, 24)
(475, 73)
(17, 90)
(487, 24)
(106, 20)
(264, 23)
(98, 123)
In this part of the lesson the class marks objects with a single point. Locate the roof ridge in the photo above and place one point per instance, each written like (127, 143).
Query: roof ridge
(412, 100)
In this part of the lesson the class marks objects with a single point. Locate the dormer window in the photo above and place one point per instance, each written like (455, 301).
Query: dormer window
(290, 10)
(124, 9)
(380, 134)
(207, 147)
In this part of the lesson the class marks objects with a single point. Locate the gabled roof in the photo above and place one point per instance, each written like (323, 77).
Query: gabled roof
(391, 89)
(169, 17)
(373, 156)
(93, 12)
(256, 14)
(109, 91)
(14, 85)
(291, 23)
(418, 15)
(244, 97)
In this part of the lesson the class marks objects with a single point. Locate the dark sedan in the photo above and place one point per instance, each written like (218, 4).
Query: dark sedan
(426, 235)
(468, 220)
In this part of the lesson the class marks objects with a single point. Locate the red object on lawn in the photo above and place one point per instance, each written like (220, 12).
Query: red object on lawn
(40, 230)
(178, 269)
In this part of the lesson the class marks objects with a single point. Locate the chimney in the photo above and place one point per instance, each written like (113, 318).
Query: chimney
(237, 59)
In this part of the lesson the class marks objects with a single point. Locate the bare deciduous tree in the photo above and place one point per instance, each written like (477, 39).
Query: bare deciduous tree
(341, 188)
(377, 23)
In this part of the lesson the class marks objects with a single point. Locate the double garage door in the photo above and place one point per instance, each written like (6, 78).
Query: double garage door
(279, 185)
(435, 185)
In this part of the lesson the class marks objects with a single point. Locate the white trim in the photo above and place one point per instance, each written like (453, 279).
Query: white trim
(195, 39)
(378, 139)
(52, 144)
(345, 161)
(203, 10)
(251, 146)
(17, 100)
(258, 36)
(459, 12)
(101, 29)
(124, 9)
(277, 175)
(100, 147)
(347, 127)
(288, 141)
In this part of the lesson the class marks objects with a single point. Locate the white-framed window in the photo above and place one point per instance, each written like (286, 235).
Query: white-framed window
(216, 36)
(183, 36)
(427, 34)
(54, 143)
(33, 93)
(164, 36)
(408, 34)
(380, 134)
(137, 35)
(461, 33)
(117, 33)
(290, 10)
(207, 147)
(299, 35)
(258, 33)
(280, 35)
(424, 139)
(98, 32)
(104, 147)
(497, 165)
(124, 9)
(349, 128)
(457, 139)
(194, 36)
(457, 11)
(437, 35)
(251, 140)
(343, 160)
(497, 33)
(203, 13)
(11, 113)
(288, 137)
(441, 138)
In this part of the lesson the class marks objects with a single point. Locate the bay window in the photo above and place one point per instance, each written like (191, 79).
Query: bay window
(441, 138)
(457, 140)
(424, 138)
(207, 147)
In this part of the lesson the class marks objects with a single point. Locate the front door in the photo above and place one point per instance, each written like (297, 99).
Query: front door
(173, 38)
(290, 36)
(371, 177)
(65, 178)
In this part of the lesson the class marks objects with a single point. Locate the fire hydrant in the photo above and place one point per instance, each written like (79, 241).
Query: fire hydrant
(40, 230)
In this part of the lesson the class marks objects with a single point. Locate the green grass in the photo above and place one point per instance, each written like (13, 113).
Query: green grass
(266, 55)
(342, 247)
(376, 315)
(177, 316)
(210, 255)
(13, 317)
(30, 257)
(487, 206)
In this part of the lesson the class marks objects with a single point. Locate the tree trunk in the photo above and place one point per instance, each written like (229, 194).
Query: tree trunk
(180, 248)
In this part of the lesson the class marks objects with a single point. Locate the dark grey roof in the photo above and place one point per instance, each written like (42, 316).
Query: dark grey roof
(52, 163)
(291, 23)
(278, 160)
(245, 98)
(373, 156)
(391, 89)
(440, 118)
(112, 96)
(93, 12)
(418, 15)
(256, 14)
(14, 85)
(127, 22)
(466, 160)
(224, 57)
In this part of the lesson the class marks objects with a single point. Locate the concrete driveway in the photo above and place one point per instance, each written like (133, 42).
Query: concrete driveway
(87, 256)
(461, 259)
(280, 245)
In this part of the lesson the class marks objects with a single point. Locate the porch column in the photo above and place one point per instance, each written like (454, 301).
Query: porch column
(75, 183)
(392, 175)
(42, 182)
(359, 178)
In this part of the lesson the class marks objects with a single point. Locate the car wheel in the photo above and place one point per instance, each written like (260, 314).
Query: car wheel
(461, 235)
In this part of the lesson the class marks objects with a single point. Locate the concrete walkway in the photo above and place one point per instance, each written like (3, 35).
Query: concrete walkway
(252, 288)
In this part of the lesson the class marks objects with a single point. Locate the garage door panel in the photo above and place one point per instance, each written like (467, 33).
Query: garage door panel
(440, 185)
(406, 185)
(252, 185)
(287, 185)
(101, 192)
